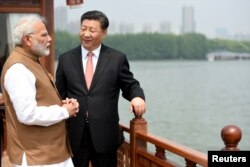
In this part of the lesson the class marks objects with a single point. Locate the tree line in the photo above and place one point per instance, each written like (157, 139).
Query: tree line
(156, 46)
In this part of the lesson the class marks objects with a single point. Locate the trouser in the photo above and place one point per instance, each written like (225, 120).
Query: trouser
(87, 153)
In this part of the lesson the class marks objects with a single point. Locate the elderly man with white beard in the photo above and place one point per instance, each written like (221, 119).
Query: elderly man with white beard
(35, 113)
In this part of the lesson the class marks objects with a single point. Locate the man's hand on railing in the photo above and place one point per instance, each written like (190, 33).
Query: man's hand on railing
(138, 106)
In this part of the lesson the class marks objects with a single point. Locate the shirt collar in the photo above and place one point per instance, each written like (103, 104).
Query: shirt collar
(85, 52)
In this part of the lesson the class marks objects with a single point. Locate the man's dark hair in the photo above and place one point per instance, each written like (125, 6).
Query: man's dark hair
(96, 15)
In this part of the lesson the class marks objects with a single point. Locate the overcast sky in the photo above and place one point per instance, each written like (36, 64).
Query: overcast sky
(232, 15)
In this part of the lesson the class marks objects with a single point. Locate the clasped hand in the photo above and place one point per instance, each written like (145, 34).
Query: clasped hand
(72, 106)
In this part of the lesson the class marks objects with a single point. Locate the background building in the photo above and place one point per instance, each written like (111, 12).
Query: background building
(188, 23)
(165, 27)
(61, 18)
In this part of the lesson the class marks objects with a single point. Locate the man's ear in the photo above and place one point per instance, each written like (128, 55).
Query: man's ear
(27, 40)
(105, 33)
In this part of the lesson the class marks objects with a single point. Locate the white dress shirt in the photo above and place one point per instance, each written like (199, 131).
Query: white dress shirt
(94, 58)
(19, 82)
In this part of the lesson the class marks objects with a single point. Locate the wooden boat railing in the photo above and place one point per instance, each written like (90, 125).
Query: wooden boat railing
(134, 153)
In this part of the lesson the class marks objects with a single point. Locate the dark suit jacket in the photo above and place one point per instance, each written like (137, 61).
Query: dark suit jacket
(112, 74)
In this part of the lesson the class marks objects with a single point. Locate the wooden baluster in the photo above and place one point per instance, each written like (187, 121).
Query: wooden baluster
(160, 153)
(231, 135)
(190, 163)
(137, 124)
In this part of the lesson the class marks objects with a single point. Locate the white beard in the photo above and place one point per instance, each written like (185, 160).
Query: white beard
(40, 50)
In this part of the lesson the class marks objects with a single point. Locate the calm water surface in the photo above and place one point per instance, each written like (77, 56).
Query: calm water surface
(191, 101)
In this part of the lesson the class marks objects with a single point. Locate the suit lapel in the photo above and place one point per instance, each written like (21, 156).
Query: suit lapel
(76, 58)
(103, 59)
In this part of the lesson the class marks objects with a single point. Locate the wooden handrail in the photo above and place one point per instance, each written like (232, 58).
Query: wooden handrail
(125, 128)
(171, 146)
(138, 148)
(139, 155)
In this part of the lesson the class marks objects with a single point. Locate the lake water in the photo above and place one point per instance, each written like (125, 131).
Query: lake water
(189, 102)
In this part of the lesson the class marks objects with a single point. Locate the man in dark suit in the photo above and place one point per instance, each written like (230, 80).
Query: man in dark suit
(94, 134)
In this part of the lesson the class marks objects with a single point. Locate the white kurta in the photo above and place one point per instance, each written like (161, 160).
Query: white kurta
(19, 82)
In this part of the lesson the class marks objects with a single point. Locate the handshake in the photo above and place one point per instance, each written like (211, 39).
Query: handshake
(72, 106)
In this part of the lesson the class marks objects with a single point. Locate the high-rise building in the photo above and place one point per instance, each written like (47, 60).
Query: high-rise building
(147, 28)
(165, 27)
(61, 20)
(188, 23)
(125, 28)
(222, 33)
